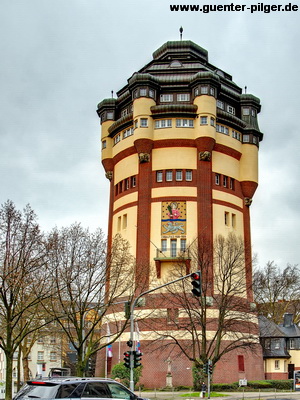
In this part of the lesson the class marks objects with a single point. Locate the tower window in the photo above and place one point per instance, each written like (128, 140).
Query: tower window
(212, 91)
(124, 221)
(169, 175)
(203, 120)
(182, 245)
(164, 245)
(212, 121)
(173, 247)
(220, 104)
(184, 123)
(231, 110)
(231, 183)
(217, 179)
(179, 175)
(163, 123)
(104, 144)
(246, 111)
(183, 97)
(117, 139)
(246, 138)
(133, 181)
(225, 181)
(233, 220)
(143, 92)
(151, 93)
(166, 97)
(226, 218)
(204, 90)
(188, 175)
(236, 135)
(126, 184)
(159, 176)
(144, 123)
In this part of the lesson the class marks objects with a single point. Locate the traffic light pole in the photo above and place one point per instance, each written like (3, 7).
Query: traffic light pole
(132, 320)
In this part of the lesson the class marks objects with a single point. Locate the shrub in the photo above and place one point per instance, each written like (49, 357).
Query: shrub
(119, 371)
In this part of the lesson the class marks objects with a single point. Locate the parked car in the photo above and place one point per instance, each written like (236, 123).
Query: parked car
(75, 388)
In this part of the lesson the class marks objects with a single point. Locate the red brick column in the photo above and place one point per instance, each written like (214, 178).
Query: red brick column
(205, 146)
(143, 148)
(248, 189)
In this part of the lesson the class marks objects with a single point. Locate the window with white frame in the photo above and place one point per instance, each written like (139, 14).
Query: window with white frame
(128, 132)
(230, 109)
(292, 343)
(182, 245)
(204, 90)
(184, 123)
(169, 175)
(124, 112)
(246, 138)
(163, 123)
(151, 93)
(196, 92)
(220, 104)
(212, 91)
(178, 175)
(117, 138)
(53, 356)
(143, 92)
(164, 245)
(212, 121)
(225, 181)
(173, 247)
(203, 120)
(236, 135)
(222, 129)
(40, 356)
(159, 176)
(277, 364)
(183, 97)
(246, 111)
(133, 181)
(166, 98)
(217, 179)
(110, 115)
(103, 144)
(189, 175)
(144, 122)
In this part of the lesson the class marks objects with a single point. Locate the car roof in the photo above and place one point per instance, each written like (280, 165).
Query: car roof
(69, 379)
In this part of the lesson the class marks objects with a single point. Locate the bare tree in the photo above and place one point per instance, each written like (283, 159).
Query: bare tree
(79, 264)
(277, 291)
(208, 327)
(23, 280)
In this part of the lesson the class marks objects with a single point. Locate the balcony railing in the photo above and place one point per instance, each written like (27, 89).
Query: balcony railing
(171, 253)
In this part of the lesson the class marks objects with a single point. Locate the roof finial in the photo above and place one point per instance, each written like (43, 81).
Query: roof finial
(181, 30)
(112, 94)
(245, 89)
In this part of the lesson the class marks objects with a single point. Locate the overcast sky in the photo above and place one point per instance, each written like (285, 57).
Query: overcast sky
(60, 58)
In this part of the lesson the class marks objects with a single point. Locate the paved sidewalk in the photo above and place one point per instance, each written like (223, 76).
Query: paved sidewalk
(229, 395)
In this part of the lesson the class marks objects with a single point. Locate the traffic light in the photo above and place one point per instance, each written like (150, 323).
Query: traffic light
(127, 359)
(137, 356)
(210, 369)
(205, 368)
(196, 282)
